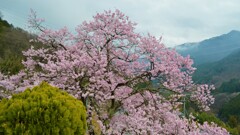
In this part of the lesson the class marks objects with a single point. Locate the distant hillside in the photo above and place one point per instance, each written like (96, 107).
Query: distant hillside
(213, 49)
(12, 42)
(221, 71)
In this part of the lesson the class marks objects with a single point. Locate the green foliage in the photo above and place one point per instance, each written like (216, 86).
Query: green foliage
(4, 23)
(95, 124)
(218, 72)
(209, 117)
(230, 113)
(42, 110)
(11, 65)
(231, 86)
(232, 121)
(230, 108)
(12, 42)
(1, 15)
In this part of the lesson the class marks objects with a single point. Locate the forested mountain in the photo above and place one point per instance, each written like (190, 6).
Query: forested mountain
(217, 59)
(218, 62)
(221, 71)
(213, 49)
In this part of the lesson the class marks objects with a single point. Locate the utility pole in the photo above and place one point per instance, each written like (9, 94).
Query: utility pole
(184, 106)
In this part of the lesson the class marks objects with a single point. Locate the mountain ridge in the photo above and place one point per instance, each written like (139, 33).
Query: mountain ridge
(212, 49)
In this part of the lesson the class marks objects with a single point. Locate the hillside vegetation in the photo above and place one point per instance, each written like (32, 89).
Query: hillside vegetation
(220, 71)
(12, 42)
(218, 62)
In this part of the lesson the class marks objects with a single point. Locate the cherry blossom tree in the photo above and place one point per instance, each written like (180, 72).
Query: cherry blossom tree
(132, 82)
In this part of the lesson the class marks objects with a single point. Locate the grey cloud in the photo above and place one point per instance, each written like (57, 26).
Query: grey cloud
(177, 21)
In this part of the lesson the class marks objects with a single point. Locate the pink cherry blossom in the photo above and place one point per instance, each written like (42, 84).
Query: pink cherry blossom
(111, 68)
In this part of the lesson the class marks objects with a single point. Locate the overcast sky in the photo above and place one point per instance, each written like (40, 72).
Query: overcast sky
(177, 21)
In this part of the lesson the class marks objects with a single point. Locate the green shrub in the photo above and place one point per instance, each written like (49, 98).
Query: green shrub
(44, 110)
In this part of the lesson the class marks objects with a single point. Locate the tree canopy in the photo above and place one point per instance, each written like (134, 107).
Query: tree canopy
(105, 64)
